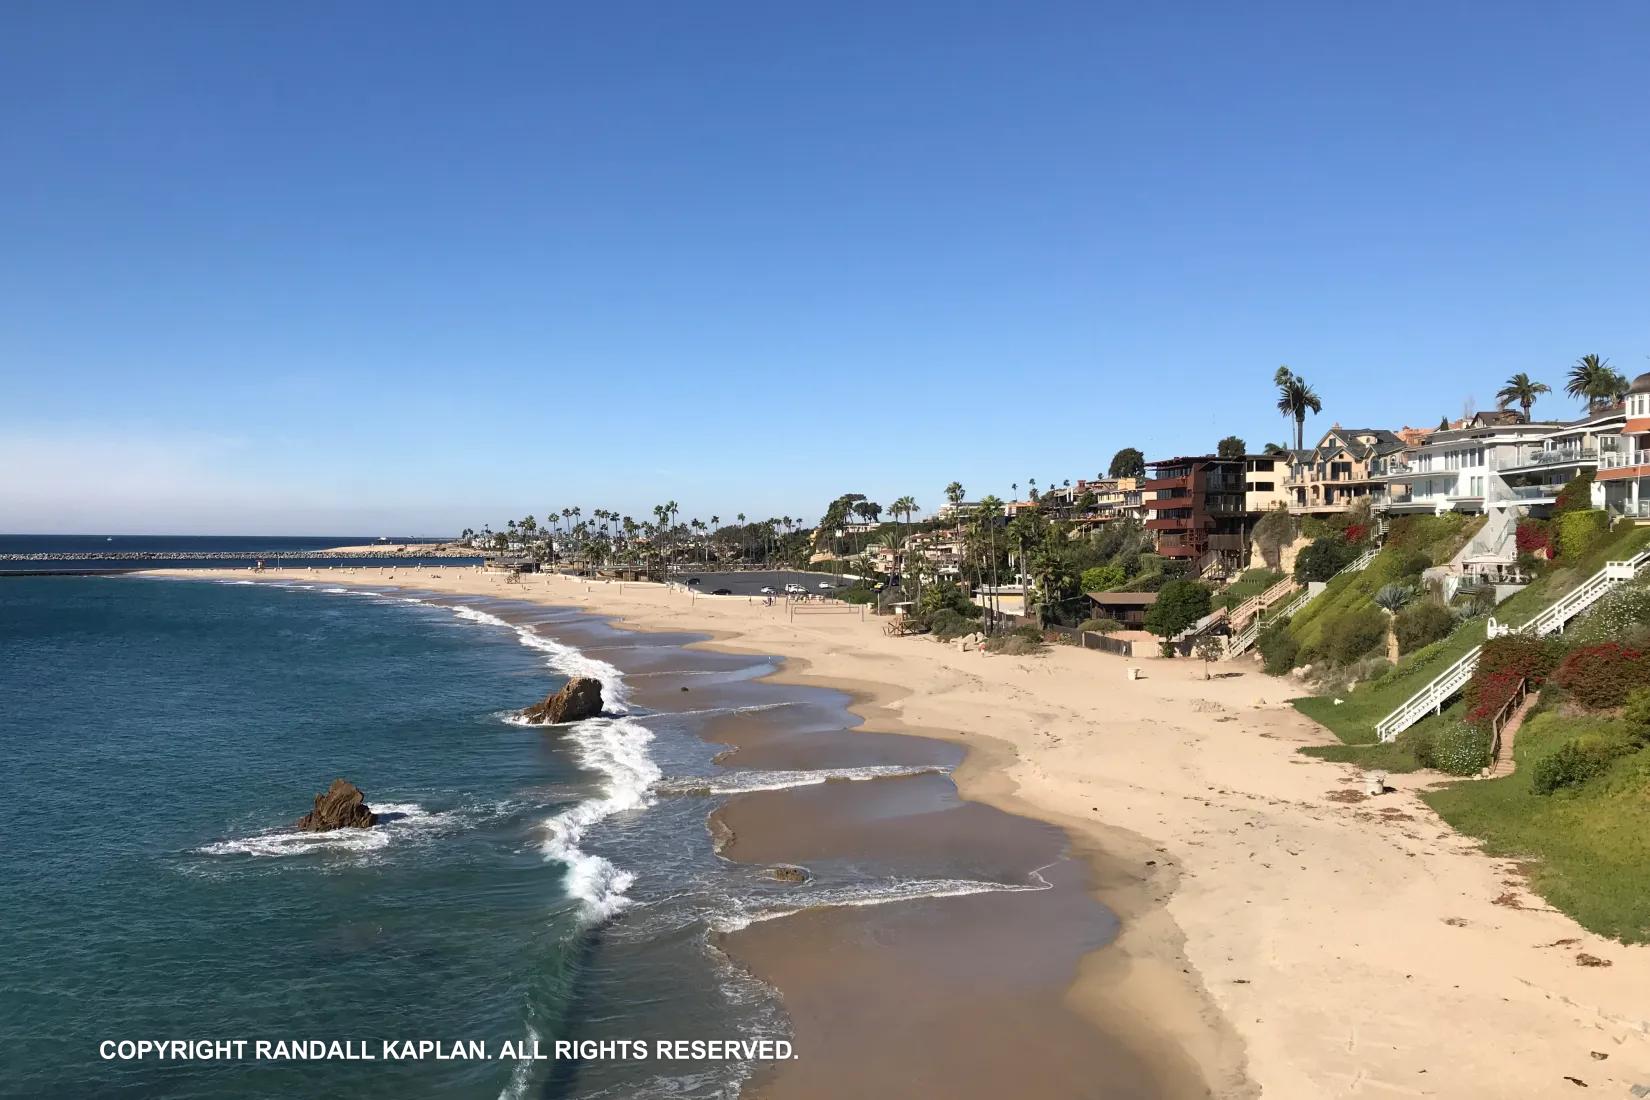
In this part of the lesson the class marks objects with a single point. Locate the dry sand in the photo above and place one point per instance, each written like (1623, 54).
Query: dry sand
(1285, 934)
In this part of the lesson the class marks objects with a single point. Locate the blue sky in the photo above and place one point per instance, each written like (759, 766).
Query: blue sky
(327, 268)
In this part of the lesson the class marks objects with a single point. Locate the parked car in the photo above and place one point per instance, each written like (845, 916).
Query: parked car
(723, 592)
(827, 586)
(767, 590)
(693, 580)
(794, 589)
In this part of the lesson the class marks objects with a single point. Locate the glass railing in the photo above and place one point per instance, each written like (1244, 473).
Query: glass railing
(1550, 457)
(1615, 460)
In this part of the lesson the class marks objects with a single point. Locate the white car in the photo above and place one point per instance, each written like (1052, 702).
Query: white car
(794, 589)
(827, 586)
(767, 590)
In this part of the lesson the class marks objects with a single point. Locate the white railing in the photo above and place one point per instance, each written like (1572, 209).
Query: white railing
(1613, 460)
(1301, 600)
(1430, 699)
(1240, 642)
(1357, 564)
(1549, 620)
(1254, 605)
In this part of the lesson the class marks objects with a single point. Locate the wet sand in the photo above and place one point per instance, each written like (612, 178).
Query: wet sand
(962, 996)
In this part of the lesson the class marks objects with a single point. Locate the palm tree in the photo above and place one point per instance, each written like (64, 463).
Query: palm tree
(1295, 399)
(1596, 381)
(1391, 598)
(1520, 389)
(954, 493)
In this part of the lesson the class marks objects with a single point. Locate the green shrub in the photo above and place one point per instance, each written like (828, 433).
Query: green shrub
(1179, 605)
(1601, 676)
(1576, 496)
(1422, 623)
(1324, 558)
(1461, 749)
(1278, 647)
(947, 624)
(1014, 645)
(946, 596)
(1102, 578)
(1571, 764)
(1101, 626)
(1374, 668)
(1580, 532)
(1622, 615)
(1525, 655)
(1028, 632)
(1420, 742)
(1411, 563)
(1637, 711)
(1354, 634)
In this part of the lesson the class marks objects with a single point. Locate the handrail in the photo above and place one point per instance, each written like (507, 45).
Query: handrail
(1548, 620)
(1504, 715)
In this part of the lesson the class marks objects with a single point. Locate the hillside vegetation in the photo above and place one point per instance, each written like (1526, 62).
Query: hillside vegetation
(1353, 721)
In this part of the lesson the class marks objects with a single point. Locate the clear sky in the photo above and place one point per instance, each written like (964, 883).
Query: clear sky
(311, 267)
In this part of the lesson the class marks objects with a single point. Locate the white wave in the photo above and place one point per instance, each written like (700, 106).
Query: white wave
(237, 582)
(404, 818)
(335, 591)
(522, 1076)
(881, 894)
(565, 659)
(616, 748)
(740, 782)
(748, 708)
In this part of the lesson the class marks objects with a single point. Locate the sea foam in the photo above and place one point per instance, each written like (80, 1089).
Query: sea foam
(741, 782)
(397, 820)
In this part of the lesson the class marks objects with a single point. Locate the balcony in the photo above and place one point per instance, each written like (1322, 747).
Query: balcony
(1156, 484)
(1616, 460)
(1378, 470)
(1169, 524)
(1549, 458)
(1623, 464)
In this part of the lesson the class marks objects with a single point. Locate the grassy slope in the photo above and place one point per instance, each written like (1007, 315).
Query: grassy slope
(1438, 536)
(1354, 720)
(1587, 849)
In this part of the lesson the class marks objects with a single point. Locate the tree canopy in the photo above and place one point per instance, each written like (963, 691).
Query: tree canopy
(1128, 462)
(1231, 447)
(1179, 604)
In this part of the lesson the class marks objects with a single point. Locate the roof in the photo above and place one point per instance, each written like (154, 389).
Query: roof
(1123, 599)
(1641, 384)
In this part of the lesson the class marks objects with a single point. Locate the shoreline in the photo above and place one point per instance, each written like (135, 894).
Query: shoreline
(1189, 805)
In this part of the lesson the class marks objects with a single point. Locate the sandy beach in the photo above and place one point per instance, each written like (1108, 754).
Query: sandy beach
(1281, 933)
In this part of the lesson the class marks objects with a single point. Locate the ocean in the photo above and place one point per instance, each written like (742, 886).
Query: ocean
(162, 735)
(161, 738)
(78, 553)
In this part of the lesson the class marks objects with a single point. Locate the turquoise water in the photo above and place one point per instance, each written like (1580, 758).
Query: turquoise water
(160, 738)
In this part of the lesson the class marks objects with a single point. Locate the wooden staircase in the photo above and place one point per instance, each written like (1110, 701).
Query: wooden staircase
(1503, 762)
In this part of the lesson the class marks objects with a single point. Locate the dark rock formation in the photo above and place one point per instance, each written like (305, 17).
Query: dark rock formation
(343, 806)
(785, 873)
(581, 698)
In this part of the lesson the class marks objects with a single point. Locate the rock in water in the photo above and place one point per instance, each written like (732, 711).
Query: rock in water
(343, 806)
(580, 698)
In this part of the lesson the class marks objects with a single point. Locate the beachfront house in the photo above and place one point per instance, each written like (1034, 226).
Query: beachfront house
(1623, 477)
(1337, 472)
(1198, 512)
(1128, 608)
(1459, 468)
